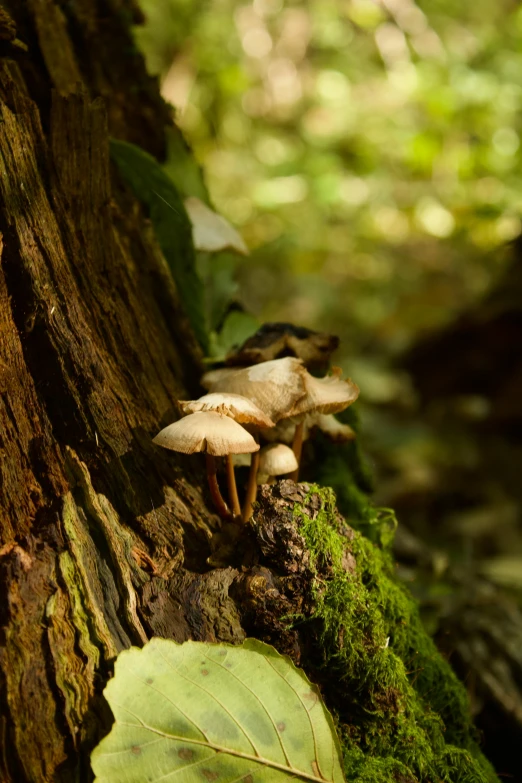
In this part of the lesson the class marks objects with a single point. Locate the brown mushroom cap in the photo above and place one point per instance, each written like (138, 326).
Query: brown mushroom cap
(237, 407)
(206, 431)
(277, 459)
(274, 340)
(326, 395)
(273, 386)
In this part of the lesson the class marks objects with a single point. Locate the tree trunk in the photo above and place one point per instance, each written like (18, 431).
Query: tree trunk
(106, 540)
(94, 351)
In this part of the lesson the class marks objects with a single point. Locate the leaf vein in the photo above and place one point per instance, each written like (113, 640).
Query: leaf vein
(237, 753)
(316, 749)
(232, 717)
(259, 701)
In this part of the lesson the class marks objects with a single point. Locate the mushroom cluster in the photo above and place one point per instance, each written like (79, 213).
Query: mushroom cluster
(276, 400)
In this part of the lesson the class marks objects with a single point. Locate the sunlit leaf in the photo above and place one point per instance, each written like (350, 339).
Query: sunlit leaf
(204, 712)
(212, 232)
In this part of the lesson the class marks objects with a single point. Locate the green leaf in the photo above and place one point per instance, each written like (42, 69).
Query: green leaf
(237, 328)
(219, 273)
(214, 712)
(181, 166)
(155, 189)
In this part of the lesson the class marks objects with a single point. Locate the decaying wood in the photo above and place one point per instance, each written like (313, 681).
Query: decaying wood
(105, 539)
(94, 351)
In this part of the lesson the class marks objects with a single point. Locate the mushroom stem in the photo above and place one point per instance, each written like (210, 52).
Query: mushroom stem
(297, 448)
(222, 508)
(251, 492)
(232, 487)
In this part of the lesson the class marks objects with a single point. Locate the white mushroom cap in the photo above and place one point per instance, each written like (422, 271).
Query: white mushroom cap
(326, 395)
(283, 432)
(277, 459)
(205, 431)
(334, 429)
(237, 407)
(210, 378)
(273, 386)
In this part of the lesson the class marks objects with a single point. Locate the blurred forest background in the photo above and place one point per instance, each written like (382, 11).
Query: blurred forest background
(369, 153)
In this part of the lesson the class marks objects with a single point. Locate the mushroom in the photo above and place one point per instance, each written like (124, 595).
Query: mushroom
(243, 411)
(283, 432)
(212, 377)
(239, 408)
(274, 386)
(276, 459)
(334, 429)
(213, 433)
(326, 395)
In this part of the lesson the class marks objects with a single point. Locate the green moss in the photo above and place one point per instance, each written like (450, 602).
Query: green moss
(403, 714)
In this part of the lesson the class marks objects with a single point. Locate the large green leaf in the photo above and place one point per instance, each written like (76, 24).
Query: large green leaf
(171, 224)
(201, 712)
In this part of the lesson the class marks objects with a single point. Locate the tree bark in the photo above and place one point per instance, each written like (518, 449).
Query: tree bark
(95, 522)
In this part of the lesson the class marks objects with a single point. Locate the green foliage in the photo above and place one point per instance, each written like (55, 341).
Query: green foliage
(237, 327)
(215, 712)
(400, 708)
(172, 227)
(373, 147)
(182, 168)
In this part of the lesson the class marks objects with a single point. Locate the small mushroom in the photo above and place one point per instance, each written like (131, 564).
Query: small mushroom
(212, 377)
(334, 429)
(243, 411)
(276, 459)
(239, 408)
(283, 432)
(326, 395)
(274, 386)
(213, 433)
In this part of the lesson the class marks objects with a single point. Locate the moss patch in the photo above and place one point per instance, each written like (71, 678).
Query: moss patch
(403, 715)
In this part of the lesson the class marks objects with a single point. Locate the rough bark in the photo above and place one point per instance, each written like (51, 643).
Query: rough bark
(100, 532)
